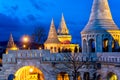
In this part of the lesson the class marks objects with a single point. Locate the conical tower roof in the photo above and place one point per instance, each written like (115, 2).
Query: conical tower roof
(10, 42)
(100, 18)
(63, 28)
(52, 36)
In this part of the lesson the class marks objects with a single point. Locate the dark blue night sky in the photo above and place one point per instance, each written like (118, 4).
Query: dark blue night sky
(19, 17)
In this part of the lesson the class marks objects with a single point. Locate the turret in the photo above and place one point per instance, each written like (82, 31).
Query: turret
(63, 32)
(52, 41)
(11, 45)
(101, 33)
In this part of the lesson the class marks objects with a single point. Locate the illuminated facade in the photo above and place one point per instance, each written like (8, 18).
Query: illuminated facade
(11, 45)
(60, 41)
(100, 42)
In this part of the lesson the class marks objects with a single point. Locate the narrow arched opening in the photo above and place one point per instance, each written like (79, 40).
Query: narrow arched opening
(105, 45)
(91, 45)
(115, 45)
(112, 76)
(86, 76)
(99, 77)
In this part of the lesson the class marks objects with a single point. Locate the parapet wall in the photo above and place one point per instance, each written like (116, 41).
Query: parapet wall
(46, 56)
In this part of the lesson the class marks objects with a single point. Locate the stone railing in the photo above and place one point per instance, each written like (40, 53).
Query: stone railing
(113, 57)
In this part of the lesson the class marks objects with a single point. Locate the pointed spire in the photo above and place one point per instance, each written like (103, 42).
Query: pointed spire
(52, 36)
(100, 10)
(100, 18)
(63, 28)
(10, 42)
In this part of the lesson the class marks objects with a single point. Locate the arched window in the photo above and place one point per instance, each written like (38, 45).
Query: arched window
(99, 77)
(86, 76)
(112, 76)
(91, 44)
(115, 46)
(105, 45)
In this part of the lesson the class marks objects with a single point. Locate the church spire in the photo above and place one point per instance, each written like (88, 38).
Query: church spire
(100, 18)
(10, 42)
(63, 28)
(52, 36)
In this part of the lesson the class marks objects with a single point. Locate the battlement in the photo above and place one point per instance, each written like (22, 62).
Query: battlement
(12, 56)
(46, 56)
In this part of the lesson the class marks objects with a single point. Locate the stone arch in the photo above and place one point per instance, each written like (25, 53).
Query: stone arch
(79, 78)
(112, 76)
(105, 44)
(91, 45)
(115, 45)
(84, 46)
(63, 76)
(99, 77)
(28, 73)
(86, 76)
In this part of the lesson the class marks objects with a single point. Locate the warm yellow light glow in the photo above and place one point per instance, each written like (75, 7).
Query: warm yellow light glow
(79, 78)
(63, 38)
(62, 76)
(14, 48)
(113, 77)
(24, 46)
(40, 48)
(31, 70)
(26, 38)
(29, 73)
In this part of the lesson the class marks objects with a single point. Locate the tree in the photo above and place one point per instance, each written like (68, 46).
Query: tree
(39, 35)
(71, 63)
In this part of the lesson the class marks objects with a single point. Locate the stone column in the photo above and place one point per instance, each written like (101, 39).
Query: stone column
(83, 51)
(82, 75)
(99, 43)
(88, 48)
(110, 45)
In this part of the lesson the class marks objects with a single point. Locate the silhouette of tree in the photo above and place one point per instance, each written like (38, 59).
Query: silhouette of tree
(39, 35)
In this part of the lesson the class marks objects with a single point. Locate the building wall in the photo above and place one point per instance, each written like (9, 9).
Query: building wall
(43, 60)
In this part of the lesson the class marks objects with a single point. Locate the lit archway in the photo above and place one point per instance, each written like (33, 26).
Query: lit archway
(29, 73)
(105, 45)
(63, 76)
(79, 78)
(112, 76)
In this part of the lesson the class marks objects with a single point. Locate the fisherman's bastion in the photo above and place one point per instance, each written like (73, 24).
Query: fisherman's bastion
(61, 60)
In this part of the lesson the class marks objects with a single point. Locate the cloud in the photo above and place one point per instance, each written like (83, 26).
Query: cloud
(8, 22)
(39, 5)
(42, 4)
(15, 8)
(31, 17)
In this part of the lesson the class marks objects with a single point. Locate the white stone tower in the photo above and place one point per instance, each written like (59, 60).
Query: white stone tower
(101, 33)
